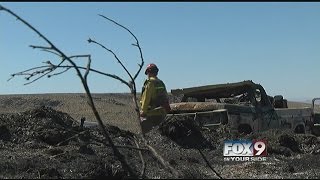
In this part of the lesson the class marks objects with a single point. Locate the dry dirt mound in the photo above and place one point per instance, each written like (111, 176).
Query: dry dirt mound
(45, 143)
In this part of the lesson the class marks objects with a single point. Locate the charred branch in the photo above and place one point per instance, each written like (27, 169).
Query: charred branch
(42, 71)
(66, 67)
(137, 44)
(85, 85)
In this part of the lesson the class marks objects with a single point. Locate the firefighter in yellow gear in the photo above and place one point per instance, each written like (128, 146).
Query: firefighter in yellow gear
(154, 100)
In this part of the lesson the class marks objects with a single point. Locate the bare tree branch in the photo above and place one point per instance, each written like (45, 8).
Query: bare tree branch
(37, 78)
(132, 84)
(87, 90)
(50, 51)
(207, 162)
(68, 66)
(31, 27)
(34, 68)
(92, 41)
(103, 142)
(143, 168)
(88, 68)
(40, 47)
(164, 162)
(137, 44)
(49, 68)
(133, 92)
(55, 74)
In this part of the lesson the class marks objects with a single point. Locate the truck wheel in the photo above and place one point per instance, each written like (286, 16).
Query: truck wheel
(316, 130)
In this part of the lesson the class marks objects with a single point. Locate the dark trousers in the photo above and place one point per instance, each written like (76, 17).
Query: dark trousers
(151, 122)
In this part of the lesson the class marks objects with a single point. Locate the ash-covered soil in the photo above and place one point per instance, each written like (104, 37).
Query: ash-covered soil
(44, 142)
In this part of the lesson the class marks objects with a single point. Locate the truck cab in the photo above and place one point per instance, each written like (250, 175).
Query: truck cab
(244, 106)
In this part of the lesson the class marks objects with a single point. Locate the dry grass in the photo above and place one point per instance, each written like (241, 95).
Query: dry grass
(115, 108)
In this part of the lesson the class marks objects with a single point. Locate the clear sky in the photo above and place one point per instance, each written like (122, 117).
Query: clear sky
(276, 44)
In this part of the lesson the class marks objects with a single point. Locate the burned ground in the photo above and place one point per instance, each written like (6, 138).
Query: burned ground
(43, 142)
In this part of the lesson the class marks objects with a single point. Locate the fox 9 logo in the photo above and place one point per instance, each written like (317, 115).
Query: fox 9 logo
(245, 148)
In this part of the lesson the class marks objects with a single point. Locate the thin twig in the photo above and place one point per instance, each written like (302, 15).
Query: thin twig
(55, 74)
(58, 144)
(207, 162)
(41, 47)
(164, 162)
(50, 51)
(137, 44)
(68, 66)
(88, 68)
(203, 156)
(131, 84)
(143, 168)
(115, 56)
(118, 146)
(37, 78)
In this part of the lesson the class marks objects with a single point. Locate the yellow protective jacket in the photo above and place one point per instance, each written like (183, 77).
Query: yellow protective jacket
(154, 94)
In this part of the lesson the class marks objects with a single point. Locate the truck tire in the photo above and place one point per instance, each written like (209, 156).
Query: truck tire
(316, 130)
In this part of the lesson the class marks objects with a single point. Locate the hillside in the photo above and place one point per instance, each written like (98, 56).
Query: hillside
(115, 108)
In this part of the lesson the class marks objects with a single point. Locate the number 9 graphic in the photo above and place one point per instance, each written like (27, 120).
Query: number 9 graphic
(260, 147)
